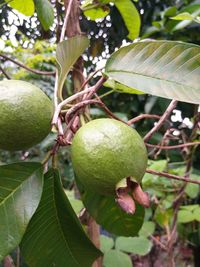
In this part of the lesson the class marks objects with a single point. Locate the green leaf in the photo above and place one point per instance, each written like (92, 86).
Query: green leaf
(130, 16)
(170, 11)
(163, 68)
(76, 204)
(116, 258)
(183, 16)
(107, 213)
(190, 207)
(106, 242)
(97, 13)
(192, 190)
(147, 229)
(25, 7)
(67, 53)
(20, 193)
(45, 13)
(137, 245)
(55, 236)
(121, 87)
(163, 216)
(185, 216)
(174, 25)
(196, 213)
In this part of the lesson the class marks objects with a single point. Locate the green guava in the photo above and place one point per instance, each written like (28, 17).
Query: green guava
(105, 152)
(25, 115)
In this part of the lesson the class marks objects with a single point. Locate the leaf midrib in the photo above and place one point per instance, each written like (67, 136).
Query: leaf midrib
(60, 226)
(148, 76)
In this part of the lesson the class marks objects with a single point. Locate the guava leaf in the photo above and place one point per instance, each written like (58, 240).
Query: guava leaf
(45, 13)
(26, 7)
(130, 16)
(55, 236)
(163, 68)
(107, 213)
(20, 193)
(67, 53)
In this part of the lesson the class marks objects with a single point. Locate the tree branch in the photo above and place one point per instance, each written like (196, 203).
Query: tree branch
(164, 117)
(173, 147)
(143, 116)
(172, 176)
(91, 90)
(5, 73)
(39, 72)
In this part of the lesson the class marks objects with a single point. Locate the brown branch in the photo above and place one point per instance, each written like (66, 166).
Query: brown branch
(64, 27)
(5, 73)
(172, 176)
(173, 147)
(89, 78)
(91, 90)
(39, 72)
(84, 103)
(164, 117)
(143, 116)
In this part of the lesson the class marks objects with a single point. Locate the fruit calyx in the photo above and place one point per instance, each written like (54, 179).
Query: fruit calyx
(131, 193)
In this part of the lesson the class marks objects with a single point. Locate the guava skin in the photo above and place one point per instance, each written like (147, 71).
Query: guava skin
(25, 115)
(105, 151)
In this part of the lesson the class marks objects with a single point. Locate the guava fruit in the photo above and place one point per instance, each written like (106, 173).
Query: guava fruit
(25, 115)
(105, 152)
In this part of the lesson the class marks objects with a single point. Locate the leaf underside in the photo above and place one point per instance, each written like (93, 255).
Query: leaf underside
(163, 68)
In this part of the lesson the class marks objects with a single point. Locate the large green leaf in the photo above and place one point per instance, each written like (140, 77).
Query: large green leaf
(20, 193)
(107, 213)
(130, 16)
(55, 236)
(163, 68)
(25, 7)
(45, 13)
(67, 53)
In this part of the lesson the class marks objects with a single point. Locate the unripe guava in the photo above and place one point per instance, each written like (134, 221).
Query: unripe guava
(25, 115)
(105, 152)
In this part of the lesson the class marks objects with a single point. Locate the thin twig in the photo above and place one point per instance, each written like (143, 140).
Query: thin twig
(172, 176)
(143, 116)
(89, 78)
(39, 72)
(64, 27)
(5, 73)
(174, 146)
(164, 117)
(158, 242)
(92, 90)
